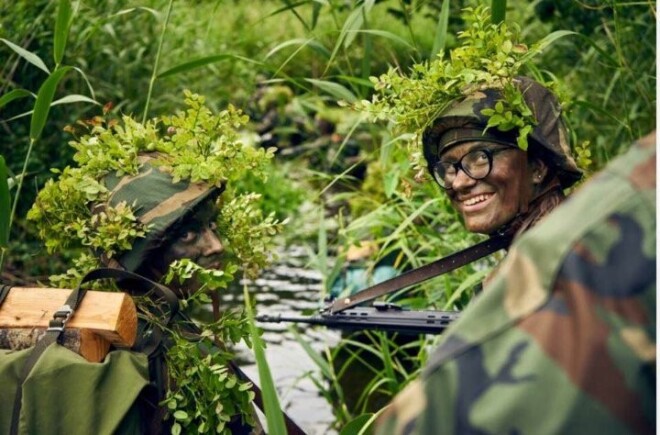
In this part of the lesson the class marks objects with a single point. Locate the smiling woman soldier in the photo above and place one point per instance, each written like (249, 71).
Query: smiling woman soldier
(494, 185)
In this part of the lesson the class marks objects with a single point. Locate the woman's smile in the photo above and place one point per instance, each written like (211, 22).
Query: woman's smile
(476, 199)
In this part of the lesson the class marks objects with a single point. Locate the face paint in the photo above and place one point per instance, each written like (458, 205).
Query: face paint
(488, 204)
(195, 239)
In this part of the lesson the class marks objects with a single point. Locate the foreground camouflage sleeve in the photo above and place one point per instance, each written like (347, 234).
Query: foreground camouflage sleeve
(563, 338)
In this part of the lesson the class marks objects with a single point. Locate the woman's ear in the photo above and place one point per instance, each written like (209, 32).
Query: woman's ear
(539, 171)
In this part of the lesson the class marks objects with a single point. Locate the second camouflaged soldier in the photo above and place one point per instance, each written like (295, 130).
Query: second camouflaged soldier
(563, 338)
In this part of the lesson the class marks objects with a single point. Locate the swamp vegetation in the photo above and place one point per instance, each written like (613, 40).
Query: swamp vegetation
(298, 69)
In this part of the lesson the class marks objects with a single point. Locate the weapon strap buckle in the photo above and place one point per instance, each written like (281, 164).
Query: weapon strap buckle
(60, 317)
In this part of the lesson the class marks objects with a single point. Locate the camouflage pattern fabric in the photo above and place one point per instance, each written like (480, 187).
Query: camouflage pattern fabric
(464, 122)
(157, 202)
(562, 340)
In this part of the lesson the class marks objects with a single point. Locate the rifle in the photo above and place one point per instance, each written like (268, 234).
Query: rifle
(345, 313)
(383, 316)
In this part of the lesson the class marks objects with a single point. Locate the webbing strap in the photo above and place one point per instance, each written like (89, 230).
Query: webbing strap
(4, 291)
(63, 314)
(53, 334)
(438, 267)
(136, 284)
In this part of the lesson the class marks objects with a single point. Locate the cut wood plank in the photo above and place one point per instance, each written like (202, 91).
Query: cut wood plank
(103, 318)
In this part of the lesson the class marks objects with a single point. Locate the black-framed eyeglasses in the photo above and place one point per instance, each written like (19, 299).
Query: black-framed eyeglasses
(476, 164)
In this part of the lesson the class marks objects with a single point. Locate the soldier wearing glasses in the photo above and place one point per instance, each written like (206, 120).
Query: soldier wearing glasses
(494, 185)
(563, 338)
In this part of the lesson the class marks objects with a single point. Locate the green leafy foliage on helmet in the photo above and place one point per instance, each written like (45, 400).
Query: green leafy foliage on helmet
(471, 118)
(157, 202)
(490, 55)
(134, 181)
(477, 84)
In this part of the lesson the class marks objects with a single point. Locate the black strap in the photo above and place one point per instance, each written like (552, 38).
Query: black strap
(4, 291)
(137, 285)
(438, 267)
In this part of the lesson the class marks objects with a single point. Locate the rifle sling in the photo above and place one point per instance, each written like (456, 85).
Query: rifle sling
(415, 276)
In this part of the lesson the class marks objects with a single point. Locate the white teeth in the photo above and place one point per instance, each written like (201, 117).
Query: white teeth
(475, 199)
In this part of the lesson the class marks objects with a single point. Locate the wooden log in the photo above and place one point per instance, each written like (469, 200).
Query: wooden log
(102, 319)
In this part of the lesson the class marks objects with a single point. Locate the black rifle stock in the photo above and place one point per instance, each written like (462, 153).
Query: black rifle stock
(382, 316)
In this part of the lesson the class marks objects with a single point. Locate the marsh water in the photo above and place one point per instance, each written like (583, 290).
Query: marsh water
(288, 287)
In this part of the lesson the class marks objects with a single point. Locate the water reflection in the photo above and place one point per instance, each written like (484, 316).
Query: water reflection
(288, 288)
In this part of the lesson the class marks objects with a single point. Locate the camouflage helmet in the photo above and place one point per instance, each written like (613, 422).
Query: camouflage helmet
(157, 203)
(464, 122)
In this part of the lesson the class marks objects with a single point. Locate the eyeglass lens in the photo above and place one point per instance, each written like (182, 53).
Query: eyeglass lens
(476, 164)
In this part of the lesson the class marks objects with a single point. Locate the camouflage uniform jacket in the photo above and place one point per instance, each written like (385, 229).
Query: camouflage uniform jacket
(562, 340)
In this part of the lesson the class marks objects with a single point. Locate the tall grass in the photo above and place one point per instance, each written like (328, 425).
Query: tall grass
(42, 105)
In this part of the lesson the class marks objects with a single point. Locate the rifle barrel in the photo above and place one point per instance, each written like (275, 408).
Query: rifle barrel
(365, 318)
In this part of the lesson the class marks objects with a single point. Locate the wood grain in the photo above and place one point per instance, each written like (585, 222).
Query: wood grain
(102, 319)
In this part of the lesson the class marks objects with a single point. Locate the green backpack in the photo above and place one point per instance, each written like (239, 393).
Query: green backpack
(49, 389)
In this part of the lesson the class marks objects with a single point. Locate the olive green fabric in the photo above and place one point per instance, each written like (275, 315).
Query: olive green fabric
(563, 337)
(157, 202)
(65, 394)
(549, 137)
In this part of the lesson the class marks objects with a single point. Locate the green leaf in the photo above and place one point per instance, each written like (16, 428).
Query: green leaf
(352, 24)
(498, 8)
(551, 38)
(348, 32)
(545, 43)
(180, 415)
(357, 425)
(62, 25)
(356, 80)
(311, 42)
(197, 63)
(272, 409)
(440, 40)
(153, 12)
(14, 95)
(335, 89)
(316, 10)
(5, 209)
(44, 100)
(89, 85)
(387, 35)
(74, 98)
(390, 182)
(467, 284)
(29, 56)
